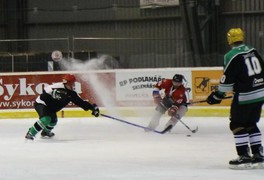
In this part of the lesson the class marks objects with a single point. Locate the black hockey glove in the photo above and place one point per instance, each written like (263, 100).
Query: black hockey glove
(215, 97)
(95, 110)
(59, 93)
(165, 104)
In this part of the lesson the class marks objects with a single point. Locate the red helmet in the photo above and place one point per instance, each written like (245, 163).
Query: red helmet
(69, 78)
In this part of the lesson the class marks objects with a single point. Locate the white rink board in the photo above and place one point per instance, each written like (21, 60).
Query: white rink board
(138, 85)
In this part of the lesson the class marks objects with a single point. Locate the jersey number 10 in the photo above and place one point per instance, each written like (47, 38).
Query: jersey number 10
(253, 66)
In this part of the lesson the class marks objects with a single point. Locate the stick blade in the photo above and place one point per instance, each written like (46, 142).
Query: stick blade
(166, 129)
(195, 130)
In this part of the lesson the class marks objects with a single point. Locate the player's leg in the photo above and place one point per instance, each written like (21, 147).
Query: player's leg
(47, 132)
(255, 138)
(176, 116)
(238, 120)
(161, 108)
(154, 122)
(155, 119)
(256, 147)
(42, 123)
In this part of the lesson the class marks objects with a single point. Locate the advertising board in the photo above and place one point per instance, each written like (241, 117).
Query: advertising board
(120, 88)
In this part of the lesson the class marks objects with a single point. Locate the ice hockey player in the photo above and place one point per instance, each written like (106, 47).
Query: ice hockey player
(54, 98)
(174, 102)
(244, 76)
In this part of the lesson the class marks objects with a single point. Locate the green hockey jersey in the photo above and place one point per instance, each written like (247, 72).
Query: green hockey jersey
(243, 74)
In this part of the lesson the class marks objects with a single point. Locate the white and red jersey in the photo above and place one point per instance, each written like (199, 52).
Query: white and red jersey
(178, 94)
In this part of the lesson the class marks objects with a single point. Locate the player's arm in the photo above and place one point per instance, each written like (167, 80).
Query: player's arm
(85, 105)
(226, 85)
(180, 99)
(215, 97)
(156, 95)
(156, 92)
(231, 70)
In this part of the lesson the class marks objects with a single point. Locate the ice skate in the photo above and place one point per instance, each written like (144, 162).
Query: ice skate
(242, 162)
(170, 124)
(257, 161)
(48, 134)
(29, 136)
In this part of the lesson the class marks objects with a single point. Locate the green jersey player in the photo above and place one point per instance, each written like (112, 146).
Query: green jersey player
(244, 76)
(54, 98)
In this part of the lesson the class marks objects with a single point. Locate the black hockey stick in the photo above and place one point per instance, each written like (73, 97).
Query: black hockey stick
(170, 127)
(192, 130)
(167, 129)
(133, 124)
(202, 101)
(196, 102)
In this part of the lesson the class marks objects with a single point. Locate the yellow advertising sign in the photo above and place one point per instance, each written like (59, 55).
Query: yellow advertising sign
(204, 82)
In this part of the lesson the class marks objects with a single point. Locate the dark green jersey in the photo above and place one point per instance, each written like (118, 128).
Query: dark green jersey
(243, 74)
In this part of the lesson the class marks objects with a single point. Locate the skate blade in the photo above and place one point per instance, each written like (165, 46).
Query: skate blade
(46, 137)
(241, 166)
(258, 165)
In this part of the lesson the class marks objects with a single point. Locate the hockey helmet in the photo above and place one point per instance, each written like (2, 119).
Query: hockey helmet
(235, 35)
(178, 78)
(68, 78)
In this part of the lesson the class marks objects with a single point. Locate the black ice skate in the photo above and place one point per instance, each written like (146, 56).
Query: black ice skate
(29, 136)
(47, 134)
(257, 161)
(242, 162)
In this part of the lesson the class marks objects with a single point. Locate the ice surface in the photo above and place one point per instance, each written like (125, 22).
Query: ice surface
(104, 149)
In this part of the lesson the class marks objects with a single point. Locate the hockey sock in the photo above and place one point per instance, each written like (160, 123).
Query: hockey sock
(241, 140)
(50, 126)
(255, 142)
(34, 129)
(39, 125)
(255, 139)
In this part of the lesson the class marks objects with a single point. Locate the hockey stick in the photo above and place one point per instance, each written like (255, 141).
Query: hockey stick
(133, 124)
(202, 101)
(167, 129)
(196, 102)
(192, 130)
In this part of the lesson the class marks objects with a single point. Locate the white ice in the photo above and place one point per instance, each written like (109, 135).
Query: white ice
(105, 149)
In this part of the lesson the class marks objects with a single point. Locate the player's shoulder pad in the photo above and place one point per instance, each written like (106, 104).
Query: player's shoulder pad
(55, 86)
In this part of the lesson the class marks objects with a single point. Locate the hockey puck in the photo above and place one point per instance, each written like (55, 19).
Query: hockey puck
(188, 135)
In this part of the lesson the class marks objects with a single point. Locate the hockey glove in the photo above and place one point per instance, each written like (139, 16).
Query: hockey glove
(215, 97)
(95, 110)
(165, 104)
(59, 94)
(172, 110)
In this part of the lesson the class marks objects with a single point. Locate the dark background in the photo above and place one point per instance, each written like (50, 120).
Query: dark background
(192, 34)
